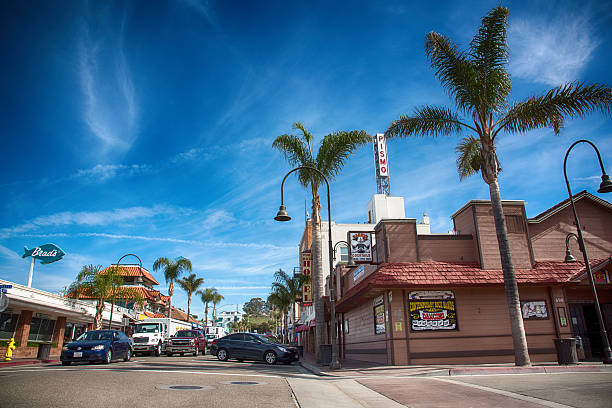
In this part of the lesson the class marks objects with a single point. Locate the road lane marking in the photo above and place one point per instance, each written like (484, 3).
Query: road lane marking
(522, 397)
(154, 371)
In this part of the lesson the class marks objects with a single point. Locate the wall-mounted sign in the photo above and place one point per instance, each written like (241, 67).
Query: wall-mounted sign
(47, 253)
(381, 150)
(433, 315)
(360, 246)
(431, 294)
(600, 276)
(379, 300)
(357, 272)
(379, 319)
(307, 270)
(534, 309)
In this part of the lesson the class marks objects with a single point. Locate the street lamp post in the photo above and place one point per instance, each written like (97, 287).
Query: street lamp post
(351, 262)
(604, 187)
(282, 215)
(110, 322)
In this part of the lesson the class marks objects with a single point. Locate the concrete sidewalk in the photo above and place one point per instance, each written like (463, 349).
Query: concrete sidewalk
(362, 369)
(25, 361)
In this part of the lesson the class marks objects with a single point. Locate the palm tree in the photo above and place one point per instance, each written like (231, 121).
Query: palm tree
(479, 85)
(190, 284)
(100, 286)
(172, 271)
(218, 298)
(207, 295)
(289, 287)
(334, 150)
(282, 302)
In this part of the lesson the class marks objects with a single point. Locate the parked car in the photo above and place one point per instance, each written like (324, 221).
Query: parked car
(250, 346)
(98, 345)
(187, 341)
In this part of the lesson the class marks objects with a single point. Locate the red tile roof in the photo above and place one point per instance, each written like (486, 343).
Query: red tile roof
(134, 270)
(432, 274)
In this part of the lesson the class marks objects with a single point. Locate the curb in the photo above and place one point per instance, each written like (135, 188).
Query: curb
(19, 363)
(314, 369)
(528, 370)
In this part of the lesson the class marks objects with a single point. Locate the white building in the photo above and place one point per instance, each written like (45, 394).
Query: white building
(226, 317)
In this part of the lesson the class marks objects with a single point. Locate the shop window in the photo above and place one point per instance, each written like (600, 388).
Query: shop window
(41, 329)
(8, 324)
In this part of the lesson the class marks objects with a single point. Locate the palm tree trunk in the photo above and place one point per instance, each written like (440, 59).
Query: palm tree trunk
(521, 353)
(293, 320)
(170, 293)
(206, 313)
(317, 279)
(188, 306)
(98, 317)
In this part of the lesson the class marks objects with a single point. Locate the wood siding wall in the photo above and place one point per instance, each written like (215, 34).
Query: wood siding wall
(360, 342)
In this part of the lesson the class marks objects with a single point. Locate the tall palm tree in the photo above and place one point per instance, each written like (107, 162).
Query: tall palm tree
(218, 298)
(334, 150)
(289, 287)
(281, 301)
(207, 295)
(190, 284)
(100, 286)
(172, 271)
(479, 85)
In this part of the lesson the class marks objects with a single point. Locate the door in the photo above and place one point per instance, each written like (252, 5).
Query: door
(236, 345)
(253, 349)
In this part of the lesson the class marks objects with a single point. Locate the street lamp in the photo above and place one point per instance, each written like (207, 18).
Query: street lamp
(568, 255)
(604, 187)
(110, 322)
(351, 262)
(282, 215)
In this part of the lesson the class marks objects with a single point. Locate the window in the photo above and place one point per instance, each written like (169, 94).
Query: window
(343, 254)
(8, 323)
(515, 224)
(41, 329)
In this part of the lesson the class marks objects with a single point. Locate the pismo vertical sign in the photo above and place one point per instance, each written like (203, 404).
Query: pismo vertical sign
(307, 270)
(381, 151)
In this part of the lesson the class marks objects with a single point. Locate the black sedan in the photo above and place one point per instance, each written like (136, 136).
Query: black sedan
(249, 346)
(98, 345)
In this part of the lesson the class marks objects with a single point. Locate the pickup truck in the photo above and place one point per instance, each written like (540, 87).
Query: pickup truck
(187, 341)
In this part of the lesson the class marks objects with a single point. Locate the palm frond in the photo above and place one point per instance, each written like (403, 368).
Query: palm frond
(550, 109)
(336, 148)
(305, 133)
(456, 73)
(427, 121)
(297, 153)
(469, 158)
(489, 52)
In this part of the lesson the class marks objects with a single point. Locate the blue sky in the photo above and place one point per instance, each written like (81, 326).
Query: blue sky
(133, 128)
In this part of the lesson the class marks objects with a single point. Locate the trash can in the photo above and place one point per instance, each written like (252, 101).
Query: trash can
(325, 350)
(566, 351)
(44, 349)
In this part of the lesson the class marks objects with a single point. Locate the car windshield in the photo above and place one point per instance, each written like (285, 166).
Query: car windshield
(95, 335)
(146, 328)
(185, 333)
(266, 339)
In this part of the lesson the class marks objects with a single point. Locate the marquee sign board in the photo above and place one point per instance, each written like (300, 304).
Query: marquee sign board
(46, 253)
(360, 246)
(439, 313)
(381, 153)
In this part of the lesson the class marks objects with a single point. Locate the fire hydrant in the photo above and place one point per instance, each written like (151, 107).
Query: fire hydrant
(9, 350)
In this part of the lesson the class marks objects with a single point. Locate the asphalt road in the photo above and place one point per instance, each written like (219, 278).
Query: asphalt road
(150, 382)
(203, 381)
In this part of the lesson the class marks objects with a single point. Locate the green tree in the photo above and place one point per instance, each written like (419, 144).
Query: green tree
(100, 286)
(218, 298)
(255, 307)
(190, 284)
(281, 302)
(172, 271)
(479, 85)
(334, 150)
(290, 288)
(207, 295)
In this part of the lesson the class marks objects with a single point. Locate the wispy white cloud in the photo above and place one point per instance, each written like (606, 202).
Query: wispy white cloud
(552, 48)
(110, 105)
(104, 172)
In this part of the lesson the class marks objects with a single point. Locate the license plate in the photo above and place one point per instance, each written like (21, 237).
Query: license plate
(78, 354)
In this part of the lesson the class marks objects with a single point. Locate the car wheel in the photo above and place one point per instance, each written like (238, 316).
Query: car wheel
(222, 355)
(158, 350)
(66, 363)
(109, 356)
(128, 355)
(270, 357)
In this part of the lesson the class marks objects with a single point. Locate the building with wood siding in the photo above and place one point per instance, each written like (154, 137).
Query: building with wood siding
(440, 298)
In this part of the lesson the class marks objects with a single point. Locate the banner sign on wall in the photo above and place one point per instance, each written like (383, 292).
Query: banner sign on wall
(357, 272)
(307, 270)
(360, 246)
(433, 315)
(381, 150)
(534, 309)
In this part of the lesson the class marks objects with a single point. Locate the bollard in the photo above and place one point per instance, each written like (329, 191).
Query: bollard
(9, 350)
